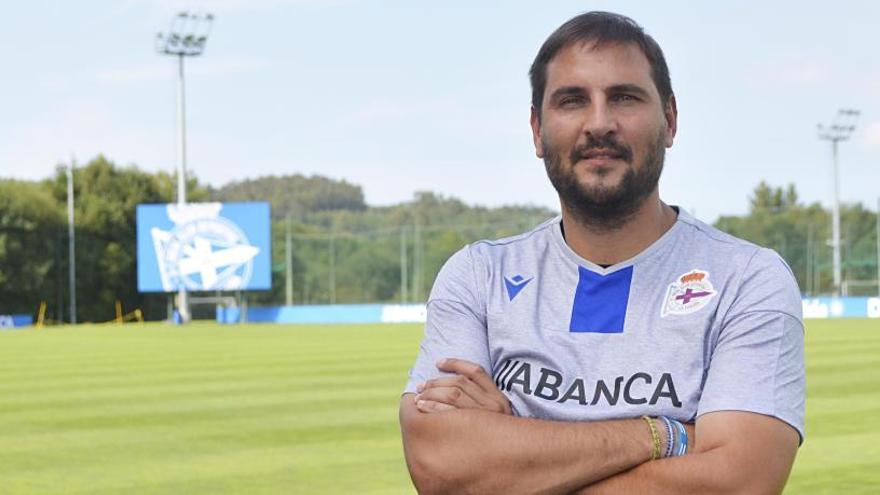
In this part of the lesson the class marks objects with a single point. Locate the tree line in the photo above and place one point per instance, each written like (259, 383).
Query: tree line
(341, 250)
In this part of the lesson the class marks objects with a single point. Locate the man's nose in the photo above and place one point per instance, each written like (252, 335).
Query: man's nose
(600, 121)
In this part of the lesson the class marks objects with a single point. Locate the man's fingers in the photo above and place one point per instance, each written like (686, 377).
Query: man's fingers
(429, 406)
(471, 370)
(485, 394)
(462, 382)
(452, 396)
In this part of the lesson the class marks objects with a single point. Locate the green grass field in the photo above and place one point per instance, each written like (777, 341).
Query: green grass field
(306, 409)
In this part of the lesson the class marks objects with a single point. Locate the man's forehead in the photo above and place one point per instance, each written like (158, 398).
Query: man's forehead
(606, 63)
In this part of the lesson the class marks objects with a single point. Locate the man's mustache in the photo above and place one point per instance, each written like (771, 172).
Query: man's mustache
(605, 144)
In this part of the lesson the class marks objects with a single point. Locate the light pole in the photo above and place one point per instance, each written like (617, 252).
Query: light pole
(840, 130)
(186, 37)
(71, 242)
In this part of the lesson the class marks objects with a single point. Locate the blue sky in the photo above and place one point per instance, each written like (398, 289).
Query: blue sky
(402, 96)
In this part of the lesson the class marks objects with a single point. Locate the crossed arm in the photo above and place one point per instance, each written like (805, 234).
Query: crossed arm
(459, 437)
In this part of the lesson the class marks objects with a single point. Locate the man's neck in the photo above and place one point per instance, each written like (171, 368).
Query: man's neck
(605, 247)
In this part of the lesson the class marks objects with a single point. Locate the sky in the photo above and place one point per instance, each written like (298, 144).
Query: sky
(407, 96)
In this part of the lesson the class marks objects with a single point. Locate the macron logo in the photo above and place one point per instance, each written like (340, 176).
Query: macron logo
(515, 284)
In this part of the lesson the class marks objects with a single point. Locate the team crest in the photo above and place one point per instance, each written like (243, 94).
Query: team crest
(691, 292)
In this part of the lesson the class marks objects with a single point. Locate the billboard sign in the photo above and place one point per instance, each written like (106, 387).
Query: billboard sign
(15, 321)
(203, 247)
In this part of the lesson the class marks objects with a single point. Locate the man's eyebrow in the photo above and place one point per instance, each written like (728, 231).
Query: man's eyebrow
(630, 88)
(567, 91)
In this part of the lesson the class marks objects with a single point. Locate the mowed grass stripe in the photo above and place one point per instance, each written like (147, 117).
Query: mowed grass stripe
(123, 378)
(233, 356)
(193, 409)
(135, 442)
(88, 340)
(240, 388)
(316, 420)
(177, 471)
(136, 357)
(157, 367)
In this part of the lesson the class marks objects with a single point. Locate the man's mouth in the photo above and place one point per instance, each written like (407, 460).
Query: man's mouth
(602, 154)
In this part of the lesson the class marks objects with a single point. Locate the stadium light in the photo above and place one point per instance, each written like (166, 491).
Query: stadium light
(186, 37)
(840, 130)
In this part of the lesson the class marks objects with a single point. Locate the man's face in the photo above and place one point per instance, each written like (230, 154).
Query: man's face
(603, 130)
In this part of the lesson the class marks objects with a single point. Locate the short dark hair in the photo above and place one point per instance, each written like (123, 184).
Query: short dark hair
(601, 28)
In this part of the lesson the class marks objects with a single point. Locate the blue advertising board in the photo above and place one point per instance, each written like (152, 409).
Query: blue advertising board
(841, 307)
(328, 313)
(204, 246)
(15, 321)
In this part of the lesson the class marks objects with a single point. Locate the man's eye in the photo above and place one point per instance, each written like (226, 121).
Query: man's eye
(625, 98)
(571, 101)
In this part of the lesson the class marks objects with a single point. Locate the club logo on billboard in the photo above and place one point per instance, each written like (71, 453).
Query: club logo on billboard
(203, 251)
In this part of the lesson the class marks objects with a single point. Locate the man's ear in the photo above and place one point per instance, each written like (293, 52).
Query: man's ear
(535, 121)
(671, 114)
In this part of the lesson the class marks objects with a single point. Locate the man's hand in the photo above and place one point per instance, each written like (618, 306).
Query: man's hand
(470, 388)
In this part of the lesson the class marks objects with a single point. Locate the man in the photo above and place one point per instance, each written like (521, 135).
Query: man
(575, 358)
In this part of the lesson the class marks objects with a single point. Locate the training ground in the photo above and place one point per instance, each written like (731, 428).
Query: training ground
(158, 409)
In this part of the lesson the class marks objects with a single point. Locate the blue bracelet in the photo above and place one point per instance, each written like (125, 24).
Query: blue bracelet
(682, 439)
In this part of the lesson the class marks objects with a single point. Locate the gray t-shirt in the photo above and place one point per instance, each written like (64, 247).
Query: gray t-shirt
(700, 321)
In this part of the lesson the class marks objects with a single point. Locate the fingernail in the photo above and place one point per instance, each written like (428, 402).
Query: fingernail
(441, 362)
(420, 403)
(420, 388)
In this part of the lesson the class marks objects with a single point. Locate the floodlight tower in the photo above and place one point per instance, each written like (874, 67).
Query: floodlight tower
(840, 130)
(186, 37)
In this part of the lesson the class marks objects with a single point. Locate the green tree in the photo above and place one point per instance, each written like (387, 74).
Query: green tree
(295, 196)
(31, 223)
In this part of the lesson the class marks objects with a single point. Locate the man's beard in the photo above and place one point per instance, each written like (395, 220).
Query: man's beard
(605, 208)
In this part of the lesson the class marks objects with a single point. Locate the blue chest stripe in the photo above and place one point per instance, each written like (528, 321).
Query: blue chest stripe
(600, 301)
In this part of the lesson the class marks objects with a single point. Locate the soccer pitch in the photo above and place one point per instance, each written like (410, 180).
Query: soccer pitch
(307, 409)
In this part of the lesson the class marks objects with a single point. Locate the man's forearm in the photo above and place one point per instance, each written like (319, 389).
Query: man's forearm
(717, 471)
(692, 474)
(473, 451)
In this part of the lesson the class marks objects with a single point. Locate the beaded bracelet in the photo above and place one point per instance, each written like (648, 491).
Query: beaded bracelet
(655, 438)
(670, 437)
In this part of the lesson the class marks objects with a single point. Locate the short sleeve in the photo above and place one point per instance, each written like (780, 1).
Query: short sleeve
(757, 363)
(456, 321)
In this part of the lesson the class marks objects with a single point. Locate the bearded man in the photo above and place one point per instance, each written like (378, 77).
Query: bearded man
(623, 347)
